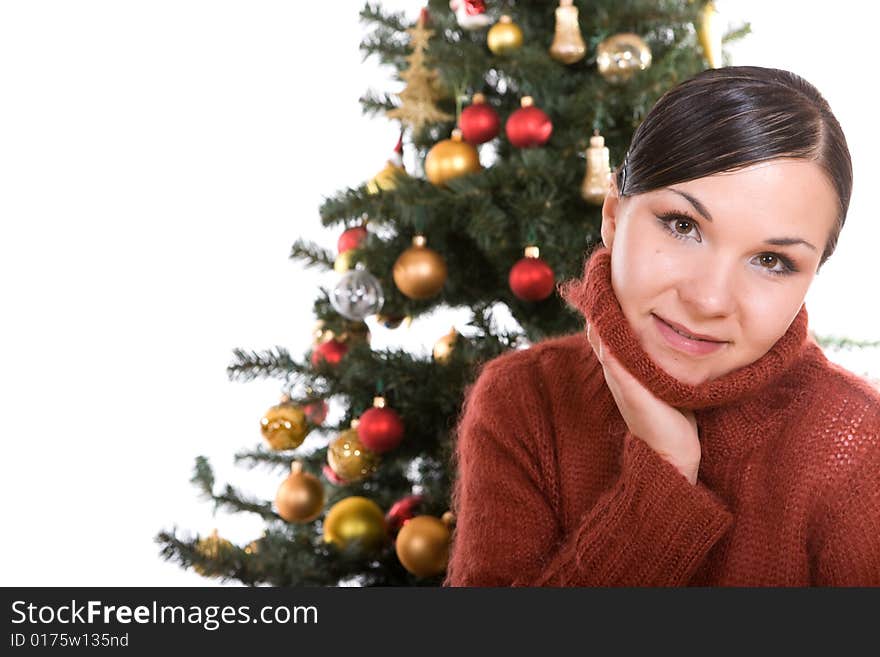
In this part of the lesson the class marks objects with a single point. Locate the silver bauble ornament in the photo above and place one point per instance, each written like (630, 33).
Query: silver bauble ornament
(357, 295)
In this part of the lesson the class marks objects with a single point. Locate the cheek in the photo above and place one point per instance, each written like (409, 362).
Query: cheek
(767, 316)
(642, 272)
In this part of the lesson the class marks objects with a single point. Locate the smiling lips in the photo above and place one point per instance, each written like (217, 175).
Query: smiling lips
(681, 339)
(688, 333)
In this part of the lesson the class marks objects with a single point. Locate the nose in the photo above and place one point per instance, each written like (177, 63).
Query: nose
(709, 289)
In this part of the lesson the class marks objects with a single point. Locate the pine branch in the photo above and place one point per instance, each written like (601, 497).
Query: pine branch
(844, 343)
(232, 500)
(203, 477)
(737, 33)
(271, 363)
(282, 460)
(226, 564)
(375, 104)
(393, 21)
(312, 253)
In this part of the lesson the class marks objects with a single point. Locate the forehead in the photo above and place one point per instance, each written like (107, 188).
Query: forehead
(788, 194)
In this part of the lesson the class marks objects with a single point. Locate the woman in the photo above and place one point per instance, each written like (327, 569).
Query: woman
(697, 436)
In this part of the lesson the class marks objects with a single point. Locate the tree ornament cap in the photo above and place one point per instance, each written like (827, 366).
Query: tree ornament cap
(379, 401)
(505, 19)
(532, 252)
(420, 241)
(354, 423)
(456, 134)
(296, 467)
(478, 99)
(597, 141)
(527, 101)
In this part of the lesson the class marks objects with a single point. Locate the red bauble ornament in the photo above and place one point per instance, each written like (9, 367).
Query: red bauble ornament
(401, 511)
(531, 279)
(480, 122)
(332, 477)
(331, 351)
(316, 411)
(351, 239)
(380, 429)
(528, 126)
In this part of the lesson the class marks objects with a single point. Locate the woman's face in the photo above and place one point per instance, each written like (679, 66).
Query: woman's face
(728, 257)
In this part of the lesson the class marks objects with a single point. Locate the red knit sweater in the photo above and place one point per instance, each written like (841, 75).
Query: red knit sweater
(552, 490)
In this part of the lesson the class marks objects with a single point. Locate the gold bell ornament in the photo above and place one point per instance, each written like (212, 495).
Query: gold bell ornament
(444, 347)
(386, 179)
(422, 545)
(450, 159)
(568, 45)
(620, 56)
(420, 272)
(284, 426)
(300, 497)
(597, 180)
(709, 29)
(505, 36)
(355, 519)
(348, 458)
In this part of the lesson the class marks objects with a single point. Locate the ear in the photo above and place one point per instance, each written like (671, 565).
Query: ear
(609, 213)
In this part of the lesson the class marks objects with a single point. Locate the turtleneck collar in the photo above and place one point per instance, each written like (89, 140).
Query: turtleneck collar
(594, 297)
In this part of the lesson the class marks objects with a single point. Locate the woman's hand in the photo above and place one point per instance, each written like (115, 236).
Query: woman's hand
(670, 432)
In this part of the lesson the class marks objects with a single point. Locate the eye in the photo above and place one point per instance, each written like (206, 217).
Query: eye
(774, 263)
(680, 226)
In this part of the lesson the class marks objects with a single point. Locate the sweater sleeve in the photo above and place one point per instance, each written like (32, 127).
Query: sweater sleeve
(848, 551)
(651, 528)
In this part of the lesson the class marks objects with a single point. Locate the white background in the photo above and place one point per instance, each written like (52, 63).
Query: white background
(157, 160)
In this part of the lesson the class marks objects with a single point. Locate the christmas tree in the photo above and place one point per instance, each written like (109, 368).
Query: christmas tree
(515, 113)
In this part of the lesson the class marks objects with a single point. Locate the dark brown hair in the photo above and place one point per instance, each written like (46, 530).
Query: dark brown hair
(730, 118)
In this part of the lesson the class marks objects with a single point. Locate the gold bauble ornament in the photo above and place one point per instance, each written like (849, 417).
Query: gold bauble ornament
(300, 497)
(284, 426)
(444, 347)
(504, 37)
(423, 546)
(450, 159)
(348, 458)
(620, 56)
(420, 272)
(710, 30)
(355, 519)
(597, 180)
(212, 547)
(344, 262)
(568, 45)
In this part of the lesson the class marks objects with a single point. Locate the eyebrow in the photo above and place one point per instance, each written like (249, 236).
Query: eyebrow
(775, 241)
